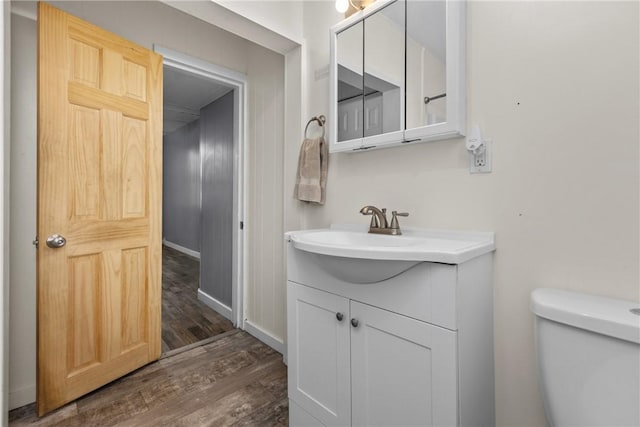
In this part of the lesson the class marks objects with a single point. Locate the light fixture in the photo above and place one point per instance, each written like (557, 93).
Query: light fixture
(343, 5)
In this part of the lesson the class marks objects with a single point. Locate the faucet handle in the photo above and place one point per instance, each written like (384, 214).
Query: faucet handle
(394, 220)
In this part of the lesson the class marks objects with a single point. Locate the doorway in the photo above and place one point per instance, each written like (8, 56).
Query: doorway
(203, 199)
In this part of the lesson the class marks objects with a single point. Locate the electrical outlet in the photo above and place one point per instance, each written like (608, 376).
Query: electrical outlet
(481, 162)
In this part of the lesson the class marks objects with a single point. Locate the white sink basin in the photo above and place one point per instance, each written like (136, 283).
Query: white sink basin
(351, 254)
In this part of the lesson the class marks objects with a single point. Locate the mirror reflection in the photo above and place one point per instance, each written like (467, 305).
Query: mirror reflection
(384, 40)
(426, 63)
(349, 55)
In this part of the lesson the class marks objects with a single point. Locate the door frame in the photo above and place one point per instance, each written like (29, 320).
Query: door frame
(5, 190)
(238, 82)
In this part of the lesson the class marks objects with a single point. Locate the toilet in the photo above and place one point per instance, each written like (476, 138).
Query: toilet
(588, 351)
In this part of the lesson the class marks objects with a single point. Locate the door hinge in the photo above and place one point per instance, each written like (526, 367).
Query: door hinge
(241, 225)
(36, 242)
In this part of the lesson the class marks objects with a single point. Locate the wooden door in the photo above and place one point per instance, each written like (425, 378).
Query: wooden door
(403, 371)
(318, 352)
(100, 187)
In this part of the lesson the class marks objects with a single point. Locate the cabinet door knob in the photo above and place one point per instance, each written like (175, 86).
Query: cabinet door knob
(339, 316)
(354, 323)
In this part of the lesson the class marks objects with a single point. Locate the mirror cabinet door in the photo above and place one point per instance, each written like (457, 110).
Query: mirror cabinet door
(350, 85)
(399, 74)
(384, 86)
(426, 63)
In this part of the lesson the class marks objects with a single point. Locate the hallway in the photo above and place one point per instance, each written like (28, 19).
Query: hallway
(185, 319)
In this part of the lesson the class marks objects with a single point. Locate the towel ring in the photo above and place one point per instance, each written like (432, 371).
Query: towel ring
(321, 121)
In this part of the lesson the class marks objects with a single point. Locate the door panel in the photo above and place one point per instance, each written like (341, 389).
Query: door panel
(318, 351)
(99, 185)
(403, 371)
(82, 346)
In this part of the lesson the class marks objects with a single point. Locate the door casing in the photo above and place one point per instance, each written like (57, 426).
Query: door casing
(238, 82)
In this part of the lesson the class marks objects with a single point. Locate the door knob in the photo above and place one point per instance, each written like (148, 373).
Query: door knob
(56, 241)
(339, 316)
(354, 323)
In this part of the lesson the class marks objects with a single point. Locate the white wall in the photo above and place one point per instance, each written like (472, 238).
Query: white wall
(555, 84)
(252, 20)
(145, 23)
(283, 17)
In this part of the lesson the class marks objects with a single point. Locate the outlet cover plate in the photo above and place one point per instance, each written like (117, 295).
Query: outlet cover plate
(483, 162)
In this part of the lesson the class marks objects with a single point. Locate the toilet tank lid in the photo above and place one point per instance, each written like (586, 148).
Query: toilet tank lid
(605, 316)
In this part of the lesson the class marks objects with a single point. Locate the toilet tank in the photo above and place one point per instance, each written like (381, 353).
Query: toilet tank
(588, 352)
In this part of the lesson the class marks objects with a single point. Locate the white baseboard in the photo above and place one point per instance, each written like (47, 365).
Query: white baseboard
(265, 337)
(182, 249)
(215, 305)
(21, 397)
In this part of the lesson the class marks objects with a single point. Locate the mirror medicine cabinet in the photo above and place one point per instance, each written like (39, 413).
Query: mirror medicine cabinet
(398, 75)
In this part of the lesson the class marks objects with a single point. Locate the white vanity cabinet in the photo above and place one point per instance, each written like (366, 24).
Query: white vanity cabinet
(415, 349)
(374, 367)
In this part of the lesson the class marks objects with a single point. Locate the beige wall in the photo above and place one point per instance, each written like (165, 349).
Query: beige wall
(380, 60)
(265, 276)
(5, 113)
(555, 85)
(22, 305)
(175, 30)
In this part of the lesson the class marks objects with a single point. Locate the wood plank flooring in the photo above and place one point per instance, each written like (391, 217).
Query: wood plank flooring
(233, 381)
(185, 319)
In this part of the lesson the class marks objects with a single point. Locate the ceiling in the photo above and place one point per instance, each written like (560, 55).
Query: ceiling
(185, 94)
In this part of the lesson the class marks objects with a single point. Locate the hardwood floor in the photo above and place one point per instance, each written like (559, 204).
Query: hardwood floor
(233, 381)
(185, 320)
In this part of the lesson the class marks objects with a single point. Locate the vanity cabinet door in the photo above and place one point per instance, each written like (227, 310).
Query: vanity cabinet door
(319, 354)
(403, 371)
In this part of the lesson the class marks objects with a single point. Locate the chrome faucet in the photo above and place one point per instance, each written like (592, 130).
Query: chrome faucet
(379, 224)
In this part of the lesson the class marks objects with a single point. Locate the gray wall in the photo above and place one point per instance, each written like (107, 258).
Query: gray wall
(181, 187)
(217, 198)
